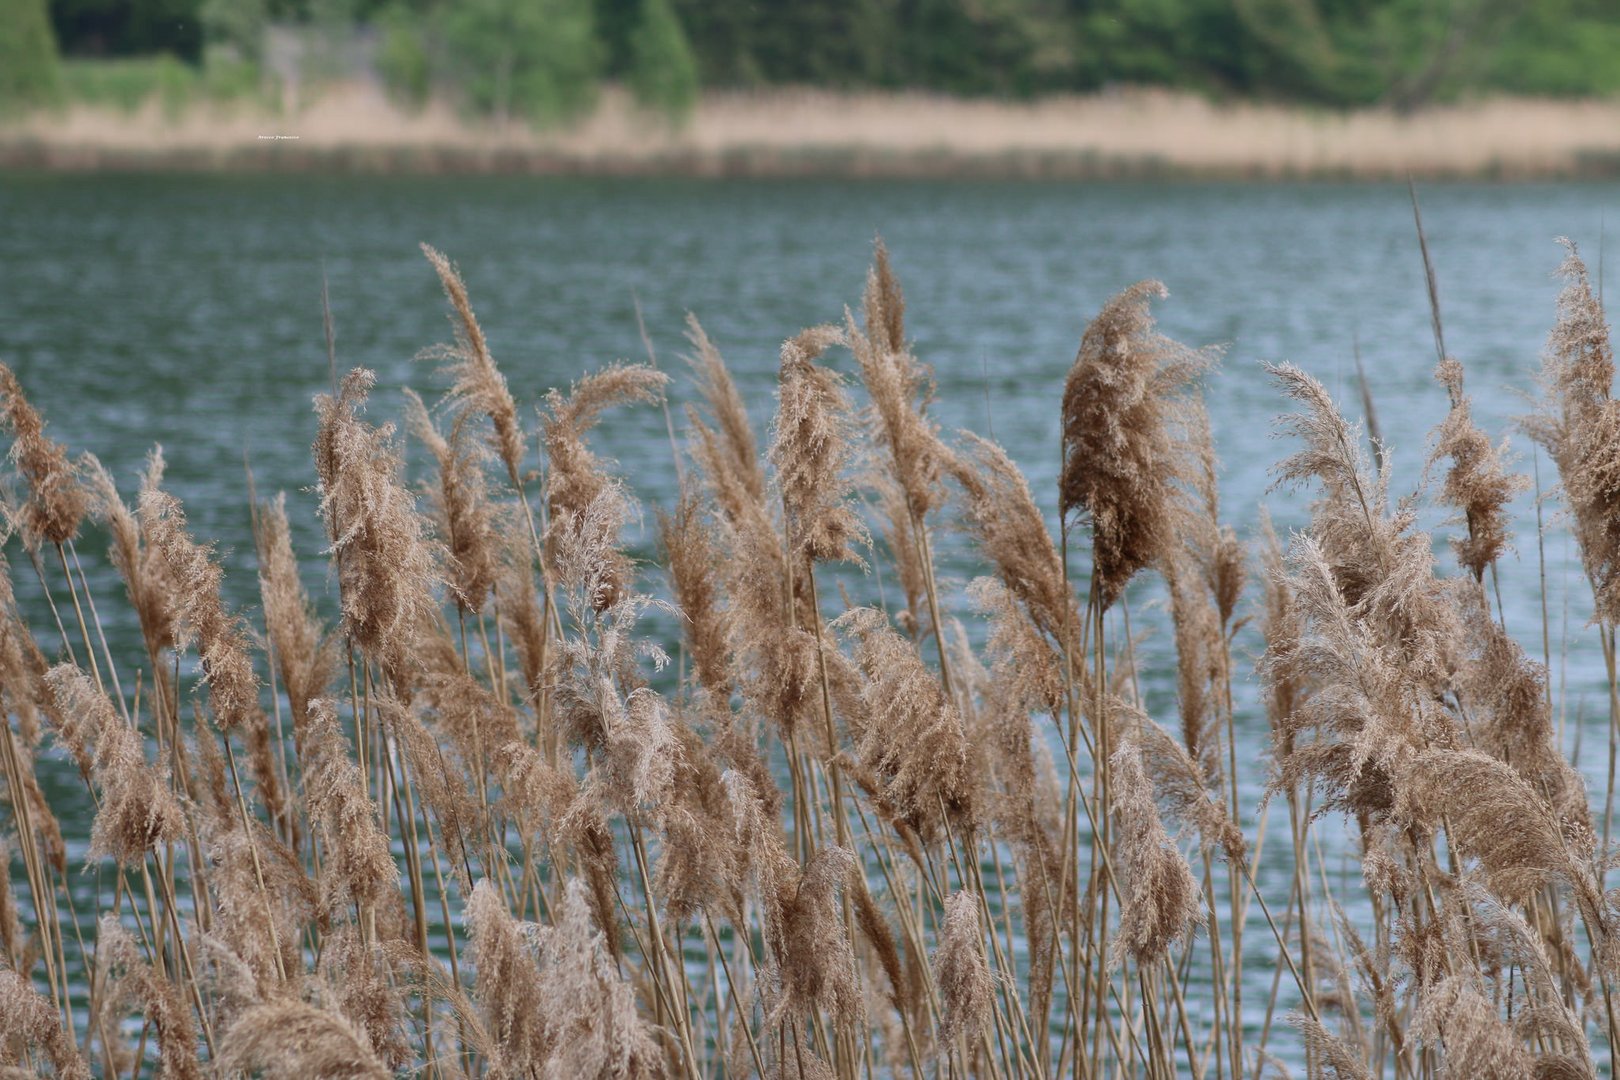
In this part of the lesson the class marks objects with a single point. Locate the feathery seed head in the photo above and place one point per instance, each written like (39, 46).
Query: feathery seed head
(200, 613)
(1122, 455)
(1162, 902)
(56, 500)
(478, 384)
(960, 970)
(811, 450)
(387, 567)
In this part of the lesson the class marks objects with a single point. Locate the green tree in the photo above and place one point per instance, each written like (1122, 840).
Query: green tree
(128, 27)
(402, 55)
(663, 73)
(534, 59)
(235, 24)
(28, 75)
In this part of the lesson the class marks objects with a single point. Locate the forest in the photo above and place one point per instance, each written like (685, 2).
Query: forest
(544, 60)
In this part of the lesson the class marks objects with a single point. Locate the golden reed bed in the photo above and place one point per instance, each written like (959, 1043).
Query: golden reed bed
(467, 830)
(1129, 132)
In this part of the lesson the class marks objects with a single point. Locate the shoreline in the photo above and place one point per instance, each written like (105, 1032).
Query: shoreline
(352, 128)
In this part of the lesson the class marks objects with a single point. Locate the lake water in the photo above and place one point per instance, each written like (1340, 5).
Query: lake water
(187, 312)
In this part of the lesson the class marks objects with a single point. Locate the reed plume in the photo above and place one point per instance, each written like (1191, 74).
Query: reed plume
(294, 1040)
(915, 740)
(812, 963)
(387, 568)
(56, 499)
(1182, 784)
(577, 480)
(701, 867)
(1122, 455)
(728, 450)
(22, 666)
(201, 617)
(1367, 716)
(811, 451)
(774, 659)
(366, 985)
(303, 654)
(138, 810)
(478, 384)
(148, 581)
(1381, 565)
(1492, 815)
(900, 386)
(1161, 899)
(1512, 721)
(1456, 1013)
(1578, 424)
(1333, 1056)
(129, 981)
(599, 1031)
(1478, 485)
(28, 1023)
(692, 553)
(507, 984)
(965, 985)
(467, 527)
(360, 865)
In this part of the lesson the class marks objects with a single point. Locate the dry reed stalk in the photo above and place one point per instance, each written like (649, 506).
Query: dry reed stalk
(360, 867)
(1576, 424)
(29, 1024)
(303, 654)
(811, 451)
(387, 567)
(461, 503)
(729, 454)
(129, 980)
(1391, 693)
(1161, 902)
(200, 615)
(293, 1040)
(1122, 456)
(11, 932)
(478, 384)
(915, 741)
(1478, 484)
(961, 971)
(56, 499)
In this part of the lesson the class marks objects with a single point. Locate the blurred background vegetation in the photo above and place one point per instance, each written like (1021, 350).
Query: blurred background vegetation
(542, 61)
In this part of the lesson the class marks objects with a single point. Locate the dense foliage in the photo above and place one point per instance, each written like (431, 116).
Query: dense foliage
(542, 60)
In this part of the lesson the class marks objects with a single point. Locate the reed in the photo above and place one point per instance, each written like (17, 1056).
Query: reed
(512, 831)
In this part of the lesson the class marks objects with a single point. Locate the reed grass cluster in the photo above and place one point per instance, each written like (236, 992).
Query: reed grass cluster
(481, 821)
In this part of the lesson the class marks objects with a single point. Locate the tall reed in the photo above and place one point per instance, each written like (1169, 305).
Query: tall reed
(512, 830)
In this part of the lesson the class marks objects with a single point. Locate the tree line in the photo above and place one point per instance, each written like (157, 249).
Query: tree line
(544, 59)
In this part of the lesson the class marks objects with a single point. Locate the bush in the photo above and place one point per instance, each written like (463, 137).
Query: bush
(535, 59)
(28, 67)
(663, 73)
(402, 56)
(238, 24)
(129, 83)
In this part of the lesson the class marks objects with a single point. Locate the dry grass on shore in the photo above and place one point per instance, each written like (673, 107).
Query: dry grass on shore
(1129, 132)
(464, 830)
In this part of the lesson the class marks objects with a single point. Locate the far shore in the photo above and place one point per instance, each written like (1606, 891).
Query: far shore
(1130, 133)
